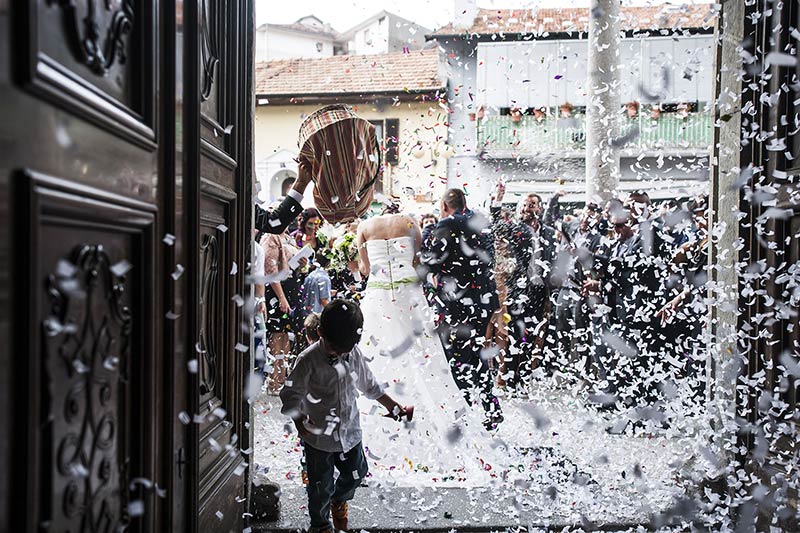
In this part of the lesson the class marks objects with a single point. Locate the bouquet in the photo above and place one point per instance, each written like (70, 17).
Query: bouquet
(343, 251)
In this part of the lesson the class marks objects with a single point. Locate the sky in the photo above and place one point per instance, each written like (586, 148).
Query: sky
(344, 14)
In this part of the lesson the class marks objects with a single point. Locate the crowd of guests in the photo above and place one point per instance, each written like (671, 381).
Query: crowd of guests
(610, 296)
(607, 295)
(290, 297)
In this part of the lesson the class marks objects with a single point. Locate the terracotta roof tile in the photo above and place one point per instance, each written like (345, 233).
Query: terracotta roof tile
(571, 19)
(417, 71)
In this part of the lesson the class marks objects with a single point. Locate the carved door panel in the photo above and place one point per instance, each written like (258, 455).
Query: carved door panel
(222, 237)
(124, 168)
(84, 404)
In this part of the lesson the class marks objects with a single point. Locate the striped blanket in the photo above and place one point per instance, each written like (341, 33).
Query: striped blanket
(345, 160)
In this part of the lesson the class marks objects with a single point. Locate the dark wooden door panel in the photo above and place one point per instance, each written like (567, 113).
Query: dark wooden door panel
(95, 59)
(124, 215)
(218, 66)
(90, 257)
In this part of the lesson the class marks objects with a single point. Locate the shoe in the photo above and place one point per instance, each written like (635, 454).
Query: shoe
(339, 515)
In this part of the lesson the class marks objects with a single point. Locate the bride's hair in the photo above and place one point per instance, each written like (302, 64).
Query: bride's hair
(391, 208)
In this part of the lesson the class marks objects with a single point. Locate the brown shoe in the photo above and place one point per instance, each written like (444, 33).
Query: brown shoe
(339, 515)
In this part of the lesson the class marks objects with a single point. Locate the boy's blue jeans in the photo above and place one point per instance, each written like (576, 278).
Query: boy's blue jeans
(322, 491)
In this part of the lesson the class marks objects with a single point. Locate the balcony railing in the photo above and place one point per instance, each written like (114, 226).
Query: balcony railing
(499, 136)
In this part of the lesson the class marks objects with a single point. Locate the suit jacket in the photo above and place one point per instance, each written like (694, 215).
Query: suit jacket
(631, 286)
(460, 252)
(278, 219)
(522, 249)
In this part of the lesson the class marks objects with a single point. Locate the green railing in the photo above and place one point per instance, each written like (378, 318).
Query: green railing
(499, 135)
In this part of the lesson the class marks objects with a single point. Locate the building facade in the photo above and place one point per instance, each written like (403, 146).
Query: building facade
(383, 33)
(307, 37)
(518, 93)
(400, 93)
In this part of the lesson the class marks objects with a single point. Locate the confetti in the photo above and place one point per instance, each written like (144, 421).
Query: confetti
(121, 268)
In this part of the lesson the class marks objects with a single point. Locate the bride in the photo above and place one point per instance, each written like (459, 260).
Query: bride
(445, 443)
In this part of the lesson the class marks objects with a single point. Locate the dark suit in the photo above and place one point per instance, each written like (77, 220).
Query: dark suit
(278, 219)
(570, 315)
(527, 298)
(630, 289)
(459, 252)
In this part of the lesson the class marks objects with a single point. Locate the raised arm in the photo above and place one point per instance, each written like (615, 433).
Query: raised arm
(277, 220)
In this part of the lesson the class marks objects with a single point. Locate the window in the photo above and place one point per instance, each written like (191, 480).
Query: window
(387, 131)
(367, 37)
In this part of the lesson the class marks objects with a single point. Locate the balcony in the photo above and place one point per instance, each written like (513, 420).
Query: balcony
(500, 137)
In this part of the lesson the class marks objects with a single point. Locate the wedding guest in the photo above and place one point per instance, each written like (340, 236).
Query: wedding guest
(327, 379)
(307, 230)
(428, 220)
(317, 286)
(311, 328)
(685, 314)
(504, 267)
(566, 110)
(343, 254)
(260, 319)
(533, 247)
(283, 303)
(278, 219)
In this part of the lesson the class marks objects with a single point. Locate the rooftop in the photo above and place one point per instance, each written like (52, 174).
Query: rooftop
(398, 72)
(573, 19)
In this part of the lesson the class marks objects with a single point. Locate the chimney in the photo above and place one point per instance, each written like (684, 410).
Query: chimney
(465, 13)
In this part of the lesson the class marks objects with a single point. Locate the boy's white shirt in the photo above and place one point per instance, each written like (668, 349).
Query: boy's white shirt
(326, 390)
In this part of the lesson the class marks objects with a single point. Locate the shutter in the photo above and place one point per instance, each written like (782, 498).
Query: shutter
(392, 140)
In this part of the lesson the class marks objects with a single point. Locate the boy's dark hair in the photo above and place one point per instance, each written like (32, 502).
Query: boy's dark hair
(340, 324)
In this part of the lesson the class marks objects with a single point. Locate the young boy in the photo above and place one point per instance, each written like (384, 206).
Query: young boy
(317, 287)
(311, 328)
(320, 396)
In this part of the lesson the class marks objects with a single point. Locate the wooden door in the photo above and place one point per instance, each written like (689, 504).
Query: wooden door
(121, 214)
(771, 232)
(220, 236)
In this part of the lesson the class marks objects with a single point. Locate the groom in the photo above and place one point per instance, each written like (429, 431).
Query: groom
(459, 253)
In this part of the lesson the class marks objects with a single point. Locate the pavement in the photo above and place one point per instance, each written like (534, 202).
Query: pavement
(593, 479)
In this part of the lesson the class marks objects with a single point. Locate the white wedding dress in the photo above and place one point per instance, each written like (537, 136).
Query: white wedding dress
(445, 444)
